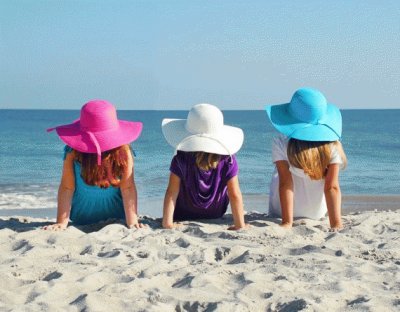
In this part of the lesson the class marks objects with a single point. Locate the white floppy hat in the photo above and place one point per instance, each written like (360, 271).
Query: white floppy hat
(203, 131)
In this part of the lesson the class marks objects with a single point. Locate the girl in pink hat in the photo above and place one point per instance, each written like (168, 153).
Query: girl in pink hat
(98, 178)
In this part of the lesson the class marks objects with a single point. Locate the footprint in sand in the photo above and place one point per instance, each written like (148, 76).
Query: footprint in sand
(293, 306)
(142, 254)
(304, 250)
(79, 301)
(183, 243)
(87, 250)
(194, 231)
(52, 276)
(183, 283)
(22, 245)
(221, 253)
(357, 301)
(109, 254)
(197, 306)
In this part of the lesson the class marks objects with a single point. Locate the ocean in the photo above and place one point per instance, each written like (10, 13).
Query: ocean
(31, 158)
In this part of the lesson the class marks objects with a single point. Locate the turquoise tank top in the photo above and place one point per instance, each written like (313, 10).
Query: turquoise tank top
(90, 203)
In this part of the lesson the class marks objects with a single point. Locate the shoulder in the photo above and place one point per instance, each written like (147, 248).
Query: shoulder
(279, 147)
(69, 153)
(229, 165)
(181, 162)
(68, 149)
(335, 155)
(127, 150)
(228, 160)
(280, 140)
(184, 157)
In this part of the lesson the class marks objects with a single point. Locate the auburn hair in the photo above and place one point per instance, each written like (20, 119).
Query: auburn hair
(313, 157)
(206, 161)
(113, 164)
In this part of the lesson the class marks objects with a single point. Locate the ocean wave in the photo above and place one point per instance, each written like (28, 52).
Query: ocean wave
(28, 197)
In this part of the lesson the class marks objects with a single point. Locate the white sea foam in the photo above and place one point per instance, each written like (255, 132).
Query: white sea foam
(28, 199)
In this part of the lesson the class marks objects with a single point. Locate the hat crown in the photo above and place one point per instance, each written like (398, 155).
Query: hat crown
(98, 115)
(204, 118)
(308, 105)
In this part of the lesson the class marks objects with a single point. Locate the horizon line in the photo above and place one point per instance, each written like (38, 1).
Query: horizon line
(177, 109)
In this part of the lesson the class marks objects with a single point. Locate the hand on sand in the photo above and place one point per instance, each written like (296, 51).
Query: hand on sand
(137, 226)
(174, 225)
(237, 228)
(56, 227)
(336, 228)
(286, 225)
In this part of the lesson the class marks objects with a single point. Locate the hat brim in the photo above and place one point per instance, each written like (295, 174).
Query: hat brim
(125, 133)
(227, 141)
(329, 128)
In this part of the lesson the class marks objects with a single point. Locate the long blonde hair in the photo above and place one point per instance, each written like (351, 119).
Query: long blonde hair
(113, 163)
(313, 157)
(206, 161)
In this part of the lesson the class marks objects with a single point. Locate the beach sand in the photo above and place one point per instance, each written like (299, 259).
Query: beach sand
(202, 266)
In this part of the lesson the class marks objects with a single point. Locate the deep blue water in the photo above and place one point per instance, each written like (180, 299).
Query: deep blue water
(31, 158)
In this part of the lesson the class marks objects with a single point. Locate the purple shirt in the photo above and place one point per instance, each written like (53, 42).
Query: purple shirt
(202, 194)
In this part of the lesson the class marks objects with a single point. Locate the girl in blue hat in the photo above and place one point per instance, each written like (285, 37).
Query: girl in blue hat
(308, 157)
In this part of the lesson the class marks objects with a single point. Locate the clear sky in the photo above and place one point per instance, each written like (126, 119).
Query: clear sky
(173, 54)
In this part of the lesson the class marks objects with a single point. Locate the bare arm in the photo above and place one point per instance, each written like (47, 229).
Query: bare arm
(129, 193)
(171, 195)
(65, 193)
(285, 192)
(236, 201)
(333, 196)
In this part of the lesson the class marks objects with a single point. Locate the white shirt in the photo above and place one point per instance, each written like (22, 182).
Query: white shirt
(308, 195)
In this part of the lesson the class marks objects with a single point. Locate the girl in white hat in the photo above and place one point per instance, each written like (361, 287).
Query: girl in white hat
(203, 173)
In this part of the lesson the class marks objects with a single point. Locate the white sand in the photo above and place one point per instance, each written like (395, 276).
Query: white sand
(202, 266)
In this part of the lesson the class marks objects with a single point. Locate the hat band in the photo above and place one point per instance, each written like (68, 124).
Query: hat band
(310, 125)
(96, 144)
(204, 135)
(94, 141)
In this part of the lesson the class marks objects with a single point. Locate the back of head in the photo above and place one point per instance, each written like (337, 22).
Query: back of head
(207, 161)
(313, 157)
(113, 163)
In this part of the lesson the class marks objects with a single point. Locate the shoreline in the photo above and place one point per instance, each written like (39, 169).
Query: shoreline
(252, 203)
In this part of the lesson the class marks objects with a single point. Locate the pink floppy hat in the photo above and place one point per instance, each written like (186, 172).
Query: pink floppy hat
(98, 129)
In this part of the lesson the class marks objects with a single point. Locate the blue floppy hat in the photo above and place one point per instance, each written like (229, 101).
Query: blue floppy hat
(308, 117)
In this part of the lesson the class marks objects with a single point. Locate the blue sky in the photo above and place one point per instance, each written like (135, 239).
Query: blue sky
(173, 54)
